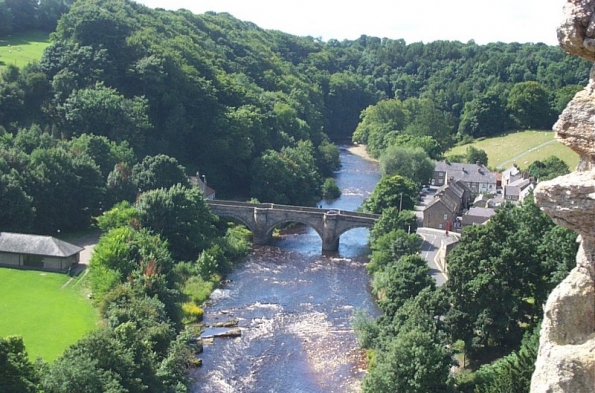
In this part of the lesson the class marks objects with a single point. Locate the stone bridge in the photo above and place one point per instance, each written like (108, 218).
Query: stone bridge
(262, 218)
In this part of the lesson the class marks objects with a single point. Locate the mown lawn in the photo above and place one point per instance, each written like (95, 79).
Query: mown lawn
(522, 145)
(34, 305)
(22, 49)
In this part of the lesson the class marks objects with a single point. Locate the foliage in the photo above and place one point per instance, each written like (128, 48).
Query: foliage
(391, 191)
(412, 362)
(392, 219)
(288, 177)
(17, 373)
(411, 163)
(399, 281)
(389, 248)
(512, 373)
(378, 122)
(180, 216)
(330, 190)
(159, 171)
(528, 103)
(475, 156)
(494, 271)
(548, 169)
(121, 215)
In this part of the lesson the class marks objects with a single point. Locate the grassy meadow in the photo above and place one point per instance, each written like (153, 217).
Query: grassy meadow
(522, 147)
(22, 49)
(49, 317)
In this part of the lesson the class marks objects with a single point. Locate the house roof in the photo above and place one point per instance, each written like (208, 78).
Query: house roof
(447, 200)
(481, 212)
(511, 172)
(20, 243)
(468, 173)
(452, 188)
(517, 186)
(208, 191)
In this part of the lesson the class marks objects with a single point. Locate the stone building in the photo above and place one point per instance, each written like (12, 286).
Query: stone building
(37, 252)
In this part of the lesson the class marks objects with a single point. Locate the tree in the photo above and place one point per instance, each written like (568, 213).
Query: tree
(17, 373)
(529, 106)
(287, 177)
(16, 207)
(428, 121)
(411, 163)
(412, 362)
(484, 116)
(476, 156)
(389, 248)
(499, 278)
(330, 190)
(399, 281)
(392, 219)
(548, 169)
(391, 191)
(181, 216)
(103, 111)
(159, 171)
(379, 120)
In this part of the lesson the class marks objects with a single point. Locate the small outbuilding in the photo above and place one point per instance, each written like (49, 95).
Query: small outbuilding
(37, 252)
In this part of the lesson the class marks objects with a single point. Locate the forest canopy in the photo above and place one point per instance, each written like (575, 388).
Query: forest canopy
(221, 95)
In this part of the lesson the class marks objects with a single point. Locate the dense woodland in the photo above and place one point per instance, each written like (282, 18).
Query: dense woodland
(255, 110)
(127, 101)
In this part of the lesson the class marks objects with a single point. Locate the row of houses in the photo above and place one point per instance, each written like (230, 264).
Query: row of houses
(468, 193)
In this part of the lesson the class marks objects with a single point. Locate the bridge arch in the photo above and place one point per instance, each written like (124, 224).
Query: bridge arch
(263, 218)
(273, 225)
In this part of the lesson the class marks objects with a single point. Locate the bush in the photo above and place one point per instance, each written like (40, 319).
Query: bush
(330, 190)
(192, 313)
(197, 289)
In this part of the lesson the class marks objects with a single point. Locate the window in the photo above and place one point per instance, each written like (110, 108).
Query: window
(445, 216)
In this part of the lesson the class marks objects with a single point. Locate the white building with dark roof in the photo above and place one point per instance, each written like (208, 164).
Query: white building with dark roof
(478, 178)
(37, 252)
(515, 191)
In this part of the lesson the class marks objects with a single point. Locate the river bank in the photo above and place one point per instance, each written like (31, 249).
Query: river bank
(360, 151)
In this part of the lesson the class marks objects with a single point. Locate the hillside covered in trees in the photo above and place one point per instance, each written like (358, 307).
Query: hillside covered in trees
(256, 110)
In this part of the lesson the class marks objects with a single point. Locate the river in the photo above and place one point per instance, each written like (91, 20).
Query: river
(294, 307)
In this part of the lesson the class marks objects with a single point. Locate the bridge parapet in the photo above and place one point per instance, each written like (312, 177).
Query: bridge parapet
(262, 218)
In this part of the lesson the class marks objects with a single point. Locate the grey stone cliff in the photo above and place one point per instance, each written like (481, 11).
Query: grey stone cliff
(566, 358)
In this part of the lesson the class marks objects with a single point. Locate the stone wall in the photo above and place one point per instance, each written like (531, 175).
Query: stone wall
(566, 358)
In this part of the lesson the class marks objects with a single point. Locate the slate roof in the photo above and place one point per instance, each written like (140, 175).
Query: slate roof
(451, 204)
(517, 186)
(511, 172)
(481, 212)
(20, 243)
(469, 173)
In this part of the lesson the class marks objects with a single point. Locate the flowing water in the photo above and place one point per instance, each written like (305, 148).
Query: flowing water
(294, 307)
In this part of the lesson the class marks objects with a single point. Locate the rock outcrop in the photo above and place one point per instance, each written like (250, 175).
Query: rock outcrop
(566, 359)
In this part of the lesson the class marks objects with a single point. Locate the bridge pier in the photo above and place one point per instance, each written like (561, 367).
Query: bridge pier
(330, 240)
(260, 232)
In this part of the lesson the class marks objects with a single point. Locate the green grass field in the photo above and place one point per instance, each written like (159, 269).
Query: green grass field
(22, 49)
(522, 147)
(34, 305)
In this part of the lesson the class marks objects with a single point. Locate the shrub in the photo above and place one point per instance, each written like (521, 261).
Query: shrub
(330, 190)
(192, 313)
